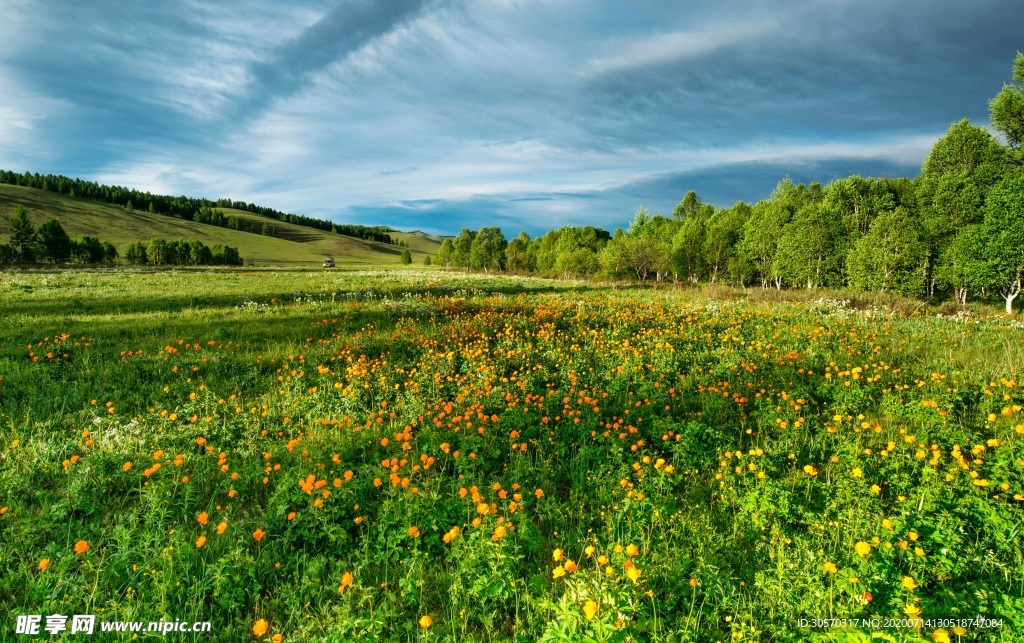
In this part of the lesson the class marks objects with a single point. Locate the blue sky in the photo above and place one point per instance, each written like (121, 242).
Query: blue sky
(439, 114)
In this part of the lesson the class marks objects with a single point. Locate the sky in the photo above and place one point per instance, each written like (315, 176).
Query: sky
(528, 114)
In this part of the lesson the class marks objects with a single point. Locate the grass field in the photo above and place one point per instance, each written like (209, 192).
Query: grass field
(295, 246)
(420, 456)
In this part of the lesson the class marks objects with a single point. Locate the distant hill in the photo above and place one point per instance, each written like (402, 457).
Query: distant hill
(293, 245)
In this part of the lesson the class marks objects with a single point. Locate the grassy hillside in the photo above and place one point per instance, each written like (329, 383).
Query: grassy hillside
(295, 245)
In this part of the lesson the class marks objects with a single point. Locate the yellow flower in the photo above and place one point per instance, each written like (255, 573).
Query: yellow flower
(886, 523)
(556, 555)
(222, 527)
(200, 542)
(809, 470)
(830, 568)
(260, 628)
(633, 573)
(590, 609)
(346, 581)
(858, 472)
(558, 572)
(912, 611)
(44, 564)
(862, 548)
(631, 550)
(589, 551)
(425, 621)
(277, 638)
(909, 583)
(941, 636)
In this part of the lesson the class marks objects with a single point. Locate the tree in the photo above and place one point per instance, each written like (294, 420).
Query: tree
(461, 247)
(426, 260)
(688, 207)
(889, 256)
(1007, 108)
(156, 252)
(724, 230)
(87, 249)
(109, 253)
(1003, 229)
(963, 267)
(406, 257)
(23, 236)
(135, 254)
(268, 230)
(688, 249)
(446, 253)
(519, 254)
(812, 247)
(53, 242)
(487, 252)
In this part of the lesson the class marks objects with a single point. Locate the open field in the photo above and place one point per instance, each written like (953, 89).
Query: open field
(416, 455)
(295, 246)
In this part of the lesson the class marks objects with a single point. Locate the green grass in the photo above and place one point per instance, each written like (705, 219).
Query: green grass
(295, 246)
(712, 462)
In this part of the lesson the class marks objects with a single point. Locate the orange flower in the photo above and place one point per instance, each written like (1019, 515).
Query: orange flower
(44, 564)
(631, 550)
(200, 542)
(539, 493)
(81, 547)
(291, 515)
(126, 467)
(414, 532)
(203, 518)
(258, 534)
(277, 638)
(346, 581)
(426, 621)
(222, 527)
(260, 628)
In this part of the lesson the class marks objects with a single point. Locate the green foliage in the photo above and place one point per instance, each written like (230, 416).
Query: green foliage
(1007, 108)
(487, 251)
(406, 258)
(1003, 229)
(23, 236)
(890, 257)
(54, 242)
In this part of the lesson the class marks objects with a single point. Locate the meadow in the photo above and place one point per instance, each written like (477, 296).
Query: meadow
(413, 455)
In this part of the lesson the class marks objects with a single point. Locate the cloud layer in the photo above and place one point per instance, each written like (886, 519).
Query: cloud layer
(439, 114)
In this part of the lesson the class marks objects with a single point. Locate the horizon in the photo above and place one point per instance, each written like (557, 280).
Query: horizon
(434, 116)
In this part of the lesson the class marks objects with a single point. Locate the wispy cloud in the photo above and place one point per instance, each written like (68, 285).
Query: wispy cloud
(443, 113)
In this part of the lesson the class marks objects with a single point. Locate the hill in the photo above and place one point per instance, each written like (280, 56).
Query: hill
(294, 244)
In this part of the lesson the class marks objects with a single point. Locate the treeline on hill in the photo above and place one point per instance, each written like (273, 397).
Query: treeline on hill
(957, 229)
(182, 207)
(52, 244)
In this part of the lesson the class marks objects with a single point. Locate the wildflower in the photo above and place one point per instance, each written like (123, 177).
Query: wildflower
(414, 532)
(222, 527)
(589, 609)
(631, 550)
(346, 581)
(556, 555)
(862, 548)
(830, 568)
(539, 493)
(809, 470)
(260, 628)
(200, 542)
(558, 572)
(277, 638)
(570, 565)
(127, 466)
(941, 636)
(81, 547)
(633, 573)
(909, 583)
(589, 551)
(693, 582)
(912, 611)
(258, 534)
(426, 621)
(203, 518)
(44, 564)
